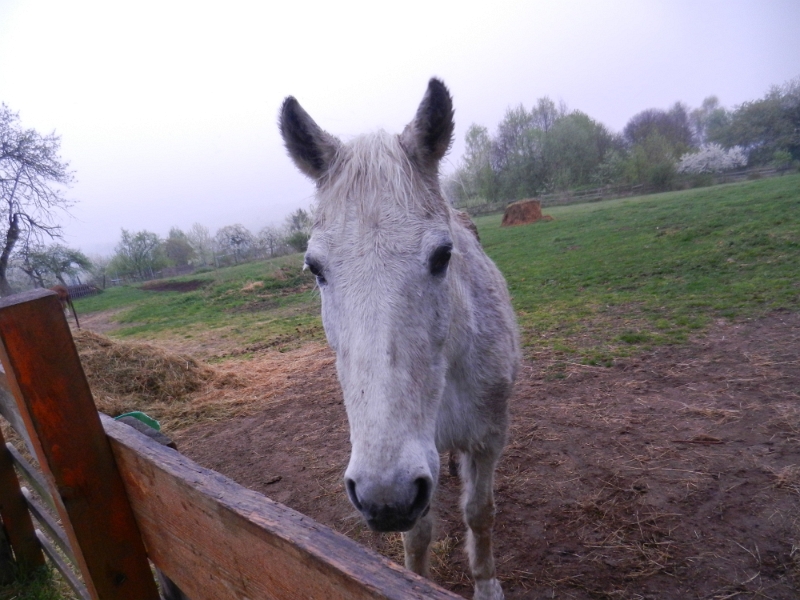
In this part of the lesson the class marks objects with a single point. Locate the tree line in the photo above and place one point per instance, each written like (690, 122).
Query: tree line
(549, 148)
(143, 255)
(33, 181)
(139, 255)
(545, 148)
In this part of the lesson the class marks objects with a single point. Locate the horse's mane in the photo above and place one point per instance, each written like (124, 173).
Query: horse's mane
(373, 174)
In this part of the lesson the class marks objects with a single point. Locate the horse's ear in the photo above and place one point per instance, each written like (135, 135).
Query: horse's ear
(312, 149)
(429, 136)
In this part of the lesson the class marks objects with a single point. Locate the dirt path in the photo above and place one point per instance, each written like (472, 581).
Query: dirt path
(674, 475)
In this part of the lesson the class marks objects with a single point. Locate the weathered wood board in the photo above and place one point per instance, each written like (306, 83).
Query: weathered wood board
(219, 540)
(53, 400)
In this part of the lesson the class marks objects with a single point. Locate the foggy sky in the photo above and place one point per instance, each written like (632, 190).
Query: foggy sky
(167, 110)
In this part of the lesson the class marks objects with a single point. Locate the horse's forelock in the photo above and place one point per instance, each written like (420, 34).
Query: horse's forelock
(374, 174)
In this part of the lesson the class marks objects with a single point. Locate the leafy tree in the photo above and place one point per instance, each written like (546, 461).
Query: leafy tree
(765, 126)
(517, 155)
(476, 175)
(298, 229)
(235, 240)
(545, 114)
(202, 243)
(139, 253)
(673, 128)
(651, 162)
(574, 149)
(32, 178)
(533, 151)
(177, 248)
(43, 264)
(708, 119)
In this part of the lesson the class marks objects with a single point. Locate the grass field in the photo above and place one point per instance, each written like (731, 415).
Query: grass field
(602, 280)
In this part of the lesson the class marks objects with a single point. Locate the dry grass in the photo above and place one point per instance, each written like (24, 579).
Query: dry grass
(135, 376)
(173, 388)
(718, 415)
(787, 478)
(180, 391)
(143, 371)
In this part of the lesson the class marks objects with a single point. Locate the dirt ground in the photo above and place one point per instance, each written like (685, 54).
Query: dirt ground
(672, 475)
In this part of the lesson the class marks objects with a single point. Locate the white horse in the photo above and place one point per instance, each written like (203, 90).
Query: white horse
(420, 321)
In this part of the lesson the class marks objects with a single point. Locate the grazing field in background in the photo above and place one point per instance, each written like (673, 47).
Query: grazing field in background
(602, 280)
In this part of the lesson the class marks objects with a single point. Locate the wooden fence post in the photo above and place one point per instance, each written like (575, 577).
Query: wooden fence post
(45, 375)
(19, 532)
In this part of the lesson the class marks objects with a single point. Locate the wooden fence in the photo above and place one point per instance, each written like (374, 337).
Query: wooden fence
(82, 290)
(618, 191)
(124, 500)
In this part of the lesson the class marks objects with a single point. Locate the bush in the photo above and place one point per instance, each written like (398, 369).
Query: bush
(298, 240)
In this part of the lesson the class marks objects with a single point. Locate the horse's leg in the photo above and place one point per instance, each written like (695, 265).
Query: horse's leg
(417, 543)
(477, 472)
(452, 464)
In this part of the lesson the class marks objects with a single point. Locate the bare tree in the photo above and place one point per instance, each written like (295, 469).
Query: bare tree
(236, 240)
(270, 240)
(32, 181)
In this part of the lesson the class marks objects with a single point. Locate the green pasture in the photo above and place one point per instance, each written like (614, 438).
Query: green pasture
(601, 280)
(605, 278)
(267, 302)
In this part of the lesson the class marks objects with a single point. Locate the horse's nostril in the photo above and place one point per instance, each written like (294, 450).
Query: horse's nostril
(423, 495)
(351, 492)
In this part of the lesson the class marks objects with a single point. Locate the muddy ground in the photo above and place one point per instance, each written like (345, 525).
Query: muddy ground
(672, 475)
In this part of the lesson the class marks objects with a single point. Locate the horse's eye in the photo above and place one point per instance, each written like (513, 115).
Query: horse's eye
(315, 269)
(439, 259)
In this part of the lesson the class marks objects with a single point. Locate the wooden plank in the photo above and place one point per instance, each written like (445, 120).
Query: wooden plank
(217, 540)
(15, 516)
(32, 476)
(49, 524)
(63, 568)
(54, 401)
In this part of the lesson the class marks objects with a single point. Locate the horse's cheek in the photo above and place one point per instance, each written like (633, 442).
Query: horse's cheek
(329, 322)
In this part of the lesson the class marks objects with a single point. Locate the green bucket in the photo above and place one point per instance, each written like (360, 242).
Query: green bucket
(147, 420)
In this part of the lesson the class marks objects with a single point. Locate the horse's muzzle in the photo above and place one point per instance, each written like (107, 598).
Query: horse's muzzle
(399, 516)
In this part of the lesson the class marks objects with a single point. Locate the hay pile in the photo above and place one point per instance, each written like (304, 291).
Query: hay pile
(522, 212)
(136, 376)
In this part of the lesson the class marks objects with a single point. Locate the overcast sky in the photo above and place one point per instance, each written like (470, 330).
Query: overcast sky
(167, 110)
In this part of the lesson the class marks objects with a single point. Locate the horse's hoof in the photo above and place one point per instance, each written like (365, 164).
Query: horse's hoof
(488, 589)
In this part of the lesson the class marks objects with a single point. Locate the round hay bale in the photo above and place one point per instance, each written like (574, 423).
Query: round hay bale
(522, 212)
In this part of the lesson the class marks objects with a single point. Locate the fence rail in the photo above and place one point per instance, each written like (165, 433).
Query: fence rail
(82, 291)
(123, 498)
(614, 191)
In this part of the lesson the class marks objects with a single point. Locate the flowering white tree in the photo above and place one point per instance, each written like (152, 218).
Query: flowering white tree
(712, 158)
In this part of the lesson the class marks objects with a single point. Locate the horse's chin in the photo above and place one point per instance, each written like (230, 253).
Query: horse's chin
(385, 523)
